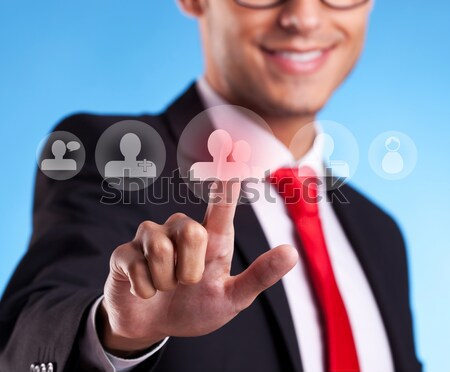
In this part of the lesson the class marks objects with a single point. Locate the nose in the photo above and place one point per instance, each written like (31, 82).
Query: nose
(301, 16)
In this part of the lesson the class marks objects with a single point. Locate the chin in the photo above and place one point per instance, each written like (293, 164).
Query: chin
(295, 104)
(309, 97)
(286, 110)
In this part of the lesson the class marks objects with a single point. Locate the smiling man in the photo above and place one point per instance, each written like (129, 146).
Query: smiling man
(270, 286)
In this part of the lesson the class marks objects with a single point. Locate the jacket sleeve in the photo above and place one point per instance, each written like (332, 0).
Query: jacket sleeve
(45, 306)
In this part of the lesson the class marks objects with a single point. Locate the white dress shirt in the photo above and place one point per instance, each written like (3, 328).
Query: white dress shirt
(369, 333)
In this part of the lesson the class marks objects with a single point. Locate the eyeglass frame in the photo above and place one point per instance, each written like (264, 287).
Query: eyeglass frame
(280, 2)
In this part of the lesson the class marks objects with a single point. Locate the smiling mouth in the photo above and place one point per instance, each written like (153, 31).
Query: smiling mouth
(297, 61)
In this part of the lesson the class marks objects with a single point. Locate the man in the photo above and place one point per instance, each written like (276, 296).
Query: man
(189, 287)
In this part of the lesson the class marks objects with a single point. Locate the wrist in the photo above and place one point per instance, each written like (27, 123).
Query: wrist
(119, 345)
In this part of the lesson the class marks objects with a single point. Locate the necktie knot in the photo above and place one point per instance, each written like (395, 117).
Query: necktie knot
(298, 187)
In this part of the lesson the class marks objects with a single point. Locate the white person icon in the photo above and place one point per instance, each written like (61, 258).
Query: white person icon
(130, 167)
(392, 161)
(221, 146)
(325, 144)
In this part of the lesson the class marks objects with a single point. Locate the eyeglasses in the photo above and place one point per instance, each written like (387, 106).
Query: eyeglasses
(266, 4)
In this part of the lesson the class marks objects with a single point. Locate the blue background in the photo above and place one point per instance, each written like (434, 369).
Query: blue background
(111, 56)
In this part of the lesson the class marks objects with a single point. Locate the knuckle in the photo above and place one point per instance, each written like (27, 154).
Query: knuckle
(118, 254)
(122, 249)
(146, 226)
(159, 248)
(176, 217)
(193, 231)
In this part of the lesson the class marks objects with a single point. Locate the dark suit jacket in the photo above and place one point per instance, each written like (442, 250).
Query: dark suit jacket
(45, 305)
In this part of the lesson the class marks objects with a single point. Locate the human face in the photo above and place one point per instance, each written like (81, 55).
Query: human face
(282, 61)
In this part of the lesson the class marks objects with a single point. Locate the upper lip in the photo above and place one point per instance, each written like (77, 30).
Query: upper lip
(294, 49)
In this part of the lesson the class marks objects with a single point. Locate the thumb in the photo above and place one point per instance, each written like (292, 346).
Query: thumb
(263, 273)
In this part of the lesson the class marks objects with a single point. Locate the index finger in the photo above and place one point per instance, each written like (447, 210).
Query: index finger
(223, 199)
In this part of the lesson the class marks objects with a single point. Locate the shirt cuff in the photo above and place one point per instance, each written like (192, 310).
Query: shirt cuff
(95, 355)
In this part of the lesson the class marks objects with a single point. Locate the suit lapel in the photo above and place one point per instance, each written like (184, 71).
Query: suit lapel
(358, 228)
(250, 239)
(183, 110)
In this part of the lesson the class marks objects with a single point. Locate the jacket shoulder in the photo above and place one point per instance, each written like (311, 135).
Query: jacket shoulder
(92, 123)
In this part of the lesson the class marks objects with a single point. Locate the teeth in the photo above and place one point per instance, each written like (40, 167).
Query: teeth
(301, 57)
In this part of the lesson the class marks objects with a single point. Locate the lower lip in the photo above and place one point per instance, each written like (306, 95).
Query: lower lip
(295, 67)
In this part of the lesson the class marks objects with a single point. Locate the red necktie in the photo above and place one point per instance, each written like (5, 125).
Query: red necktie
(299, 189)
